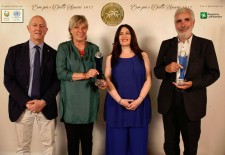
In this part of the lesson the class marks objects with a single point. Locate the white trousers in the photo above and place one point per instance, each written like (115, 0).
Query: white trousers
(24, 130)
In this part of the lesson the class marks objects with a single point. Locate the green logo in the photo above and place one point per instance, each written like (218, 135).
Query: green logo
(203, 15)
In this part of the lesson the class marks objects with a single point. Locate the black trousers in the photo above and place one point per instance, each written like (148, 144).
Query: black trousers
(175, 122)
(77, 133)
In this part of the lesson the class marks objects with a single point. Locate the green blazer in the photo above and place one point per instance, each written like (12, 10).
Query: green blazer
(79, 100)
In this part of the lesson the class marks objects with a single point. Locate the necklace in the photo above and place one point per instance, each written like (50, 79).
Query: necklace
(80, 48)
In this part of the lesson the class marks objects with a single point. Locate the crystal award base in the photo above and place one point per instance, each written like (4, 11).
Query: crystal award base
(180, 82)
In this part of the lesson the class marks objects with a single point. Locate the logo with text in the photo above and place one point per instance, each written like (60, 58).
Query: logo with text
(206, 15)
(203, 15)
(112, 14)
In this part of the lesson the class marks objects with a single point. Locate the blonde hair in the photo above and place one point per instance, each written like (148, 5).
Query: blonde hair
(77, 20)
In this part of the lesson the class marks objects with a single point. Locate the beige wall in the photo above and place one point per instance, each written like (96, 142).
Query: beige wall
(151, 26)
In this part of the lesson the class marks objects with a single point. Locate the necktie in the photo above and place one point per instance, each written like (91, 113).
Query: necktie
(35, 92)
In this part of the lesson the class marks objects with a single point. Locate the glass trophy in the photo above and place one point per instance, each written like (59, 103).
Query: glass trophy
(98, 61)
(182, 58)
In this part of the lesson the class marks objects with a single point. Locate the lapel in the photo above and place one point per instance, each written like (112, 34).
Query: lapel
(26, 58)
(45, 57)
(173, 50)
(193, 56)
(172, 54)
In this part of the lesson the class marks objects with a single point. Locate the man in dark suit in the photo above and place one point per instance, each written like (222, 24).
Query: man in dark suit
(187, 64)
(31, 80)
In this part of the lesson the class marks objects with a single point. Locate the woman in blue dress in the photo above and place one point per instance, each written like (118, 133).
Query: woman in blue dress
(127, 105)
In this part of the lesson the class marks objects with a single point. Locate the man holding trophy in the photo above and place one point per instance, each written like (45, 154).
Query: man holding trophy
(187, 65)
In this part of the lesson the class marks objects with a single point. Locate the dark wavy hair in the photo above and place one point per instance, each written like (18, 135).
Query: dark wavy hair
(116, 51)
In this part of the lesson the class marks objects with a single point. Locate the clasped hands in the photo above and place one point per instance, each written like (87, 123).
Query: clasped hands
(130, 104)
(35, 106)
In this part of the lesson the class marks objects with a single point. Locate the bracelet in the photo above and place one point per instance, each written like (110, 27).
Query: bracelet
(141, 97)
(84, 76)
(120, 100)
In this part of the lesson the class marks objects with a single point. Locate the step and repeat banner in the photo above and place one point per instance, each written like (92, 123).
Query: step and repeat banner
(153, 22)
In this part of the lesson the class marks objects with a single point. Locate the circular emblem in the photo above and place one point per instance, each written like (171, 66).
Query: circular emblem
(112, 14)
(6, 13)
(182, 53)
(98, 55)
(16, 13)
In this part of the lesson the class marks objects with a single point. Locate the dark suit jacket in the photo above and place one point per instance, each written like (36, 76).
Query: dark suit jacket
(16, 80)
(203, 70)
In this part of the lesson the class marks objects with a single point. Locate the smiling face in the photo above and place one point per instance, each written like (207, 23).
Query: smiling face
(79, 32)
(124, 37)
(184, 24)
(37, 28)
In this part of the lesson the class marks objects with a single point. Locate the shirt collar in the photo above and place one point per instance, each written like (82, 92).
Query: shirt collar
(31, 45)
(187, 41)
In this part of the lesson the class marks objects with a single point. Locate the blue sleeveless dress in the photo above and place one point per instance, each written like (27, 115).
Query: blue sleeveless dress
(128, 76)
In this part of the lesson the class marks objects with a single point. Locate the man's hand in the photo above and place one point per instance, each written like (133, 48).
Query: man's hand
(35, 106)
(185, 85)
(173, 67)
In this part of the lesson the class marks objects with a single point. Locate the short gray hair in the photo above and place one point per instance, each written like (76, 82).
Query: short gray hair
(180, 10)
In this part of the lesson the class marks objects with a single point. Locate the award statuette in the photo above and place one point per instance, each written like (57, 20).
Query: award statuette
(182, 57)
(98, 61)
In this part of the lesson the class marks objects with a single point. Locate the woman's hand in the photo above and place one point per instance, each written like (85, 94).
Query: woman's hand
(91, 73)
(101, 84)
(125, 102)
(134, 105)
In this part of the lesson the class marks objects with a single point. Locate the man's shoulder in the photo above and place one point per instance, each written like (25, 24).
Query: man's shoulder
(169, 42)
(201, 39)
(170, 39)
(19, 46)
(49, 48)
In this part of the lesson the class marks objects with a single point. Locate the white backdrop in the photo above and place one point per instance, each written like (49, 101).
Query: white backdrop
(152, 21)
